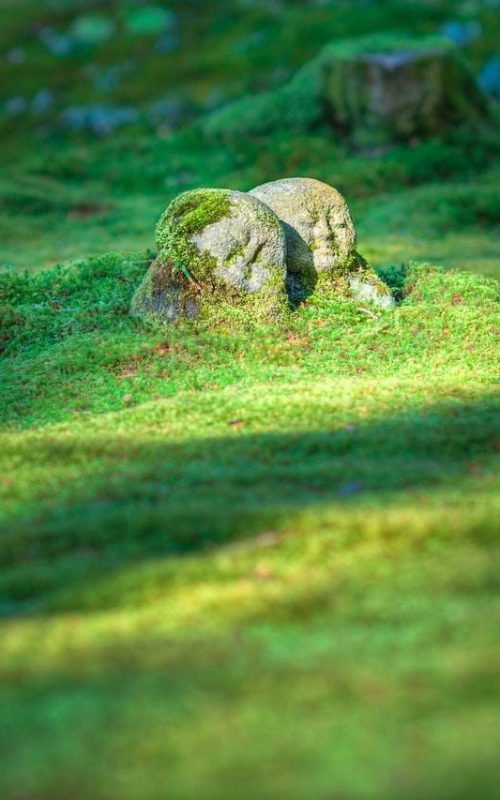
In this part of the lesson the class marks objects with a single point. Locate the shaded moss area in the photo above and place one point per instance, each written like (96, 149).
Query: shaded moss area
(391, 90)
(423, 81)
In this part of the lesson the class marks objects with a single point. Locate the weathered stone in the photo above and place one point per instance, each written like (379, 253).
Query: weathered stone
(321, 241)
(366, 287)
(318, 225)
(396, 90)
(215, 246)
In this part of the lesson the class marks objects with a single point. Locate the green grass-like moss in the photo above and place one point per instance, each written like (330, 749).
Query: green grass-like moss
(245, 560)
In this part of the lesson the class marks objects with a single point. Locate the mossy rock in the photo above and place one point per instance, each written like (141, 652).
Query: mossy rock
(389, 89)
(321, 242)
(217, 249)
(373, 90)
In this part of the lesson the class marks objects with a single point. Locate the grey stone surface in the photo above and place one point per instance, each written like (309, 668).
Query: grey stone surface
(318, 225)
(248, 246)
(369, 291)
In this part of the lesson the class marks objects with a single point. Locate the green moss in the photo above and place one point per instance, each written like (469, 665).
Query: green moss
(187, 215)
(73, 299)
(316, 94)
(335, 286)
(380, 42)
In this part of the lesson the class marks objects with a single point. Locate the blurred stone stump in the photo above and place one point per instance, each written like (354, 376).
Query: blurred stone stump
(385, 95)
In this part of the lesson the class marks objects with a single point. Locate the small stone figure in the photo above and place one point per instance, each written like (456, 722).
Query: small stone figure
(214, 246)
(321, 240)
(319, 229)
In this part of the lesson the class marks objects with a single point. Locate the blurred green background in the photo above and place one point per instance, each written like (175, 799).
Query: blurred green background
(93, 93)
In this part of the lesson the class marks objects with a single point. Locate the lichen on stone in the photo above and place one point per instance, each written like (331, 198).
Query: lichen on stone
(321, 242)
(217, 248)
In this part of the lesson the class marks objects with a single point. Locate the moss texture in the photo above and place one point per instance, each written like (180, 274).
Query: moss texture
(172, 284)
(361, 285)
(187, 215)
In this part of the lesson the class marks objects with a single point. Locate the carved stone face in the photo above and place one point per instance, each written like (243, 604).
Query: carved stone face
(319, 228)
(248, 245)
(211, 241)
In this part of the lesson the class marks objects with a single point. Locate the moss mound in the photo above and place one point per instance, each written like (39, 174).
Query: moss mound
(373, 90)
(77, 298)
(70, 346)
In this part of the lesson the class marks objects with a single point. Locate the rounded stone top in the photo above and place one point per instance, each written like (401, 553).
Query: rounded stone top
(216, 248)
(225, 235)
(318, 225)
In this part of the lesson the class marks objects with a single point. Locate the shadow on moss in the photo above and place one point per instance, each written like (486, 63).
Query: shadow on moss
(167, 499)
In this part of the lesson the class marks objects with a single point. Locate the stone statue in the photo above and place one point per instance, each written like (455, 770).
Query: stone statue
(260, 252)
(214, 246)
(321, 240)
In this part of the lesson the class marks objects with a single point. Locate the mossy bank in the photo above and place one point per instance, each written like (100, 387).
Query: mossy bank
(190, 515)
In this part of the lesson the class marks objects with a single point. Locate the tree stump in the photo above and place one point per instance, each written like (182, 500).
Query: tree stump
(390, 90)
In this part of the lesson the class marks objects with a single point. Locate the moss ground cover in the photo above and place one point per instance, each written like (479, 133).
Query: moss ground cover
(310, 507)
(247, 559)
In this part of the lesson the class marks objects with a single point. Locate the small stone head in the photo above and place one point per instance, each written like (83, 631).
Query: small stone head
(319, 228)
(213, 245)
(246, 247)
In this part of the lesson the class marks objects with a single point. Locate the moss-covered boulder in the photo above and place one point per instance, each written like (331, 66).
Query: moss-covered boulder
(217, 248)
(394, 89)
(372, 91)
(321, 241)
